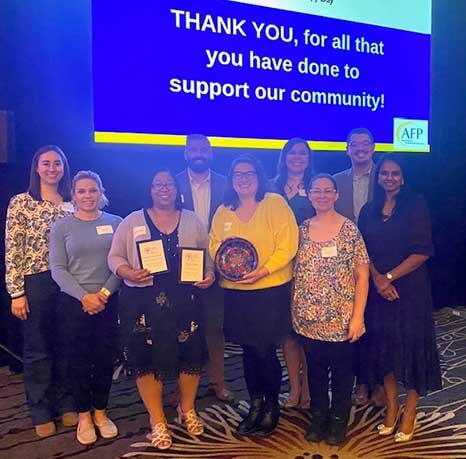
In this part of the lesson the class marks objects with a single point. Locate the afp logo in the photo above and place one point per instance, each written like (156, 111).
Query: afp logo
(410, 135)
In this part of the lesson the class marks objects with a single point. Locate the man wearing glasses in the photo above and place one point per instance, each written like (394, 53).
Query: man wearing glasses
(201, 190)
(356, 184)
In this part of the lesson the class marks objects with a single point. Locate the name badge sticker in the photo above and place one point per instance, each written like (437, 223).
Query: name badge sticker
(104, 229)
(226, 227)
(139, 231)
(328, 252)
(302, 191)
(67, 207)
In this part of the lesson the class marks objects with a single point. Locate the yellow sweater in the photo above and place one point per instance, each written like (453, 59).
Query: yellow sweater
(273, 232)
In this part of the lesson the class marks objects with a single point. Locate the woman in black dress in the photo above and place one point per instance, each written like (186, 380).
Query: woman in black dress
(402, 347)
(160, 319)
(294, 171)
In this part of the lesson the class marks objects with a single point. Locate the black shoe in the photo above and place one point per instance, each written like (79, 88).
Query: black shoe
(318, 430)
(269, 420)
(251, 422)
(337, 431)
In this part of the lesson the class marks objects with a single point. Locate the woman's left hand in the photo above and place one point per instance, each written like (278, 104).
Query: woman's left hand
(390, 293)
(207, 282)
(356, 329)
(93, 303)
(381, 282)
(253, 276)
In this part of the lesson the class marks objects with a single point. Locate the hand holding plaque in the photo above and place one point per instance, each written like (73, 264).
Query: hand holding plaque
(192, 262)
(152, 256)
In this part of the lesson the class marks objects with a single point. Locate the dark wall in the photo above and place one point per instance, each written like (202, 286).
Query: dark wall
(45, 79)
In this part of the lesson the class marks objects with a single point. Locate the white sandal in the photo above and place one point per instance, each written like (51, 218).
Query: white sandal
(160, 438)
(193, 425)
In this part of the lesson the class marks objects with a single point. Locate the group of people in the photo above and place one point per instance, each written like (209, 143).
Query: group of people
(326, 245)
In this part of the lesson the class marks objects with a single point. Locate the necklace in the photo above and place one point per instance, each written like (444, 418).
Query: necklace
(288, 188)
(386, 215)
(293, 188)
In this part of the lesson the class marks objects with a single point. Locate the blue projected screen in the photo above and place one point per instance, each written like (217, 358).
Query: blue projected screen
(254, 73)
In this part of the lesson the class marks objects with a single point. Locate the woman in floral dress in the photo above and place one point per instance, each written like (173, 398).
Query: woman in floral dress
(330, 293)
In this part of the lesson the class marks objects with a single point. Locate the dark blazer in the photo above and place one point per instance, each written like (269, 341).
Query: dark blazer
(344, 204)
(218, 184)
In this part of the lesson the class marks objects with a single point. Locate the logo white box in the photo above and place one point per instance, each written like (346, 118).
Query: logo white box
(410, 135)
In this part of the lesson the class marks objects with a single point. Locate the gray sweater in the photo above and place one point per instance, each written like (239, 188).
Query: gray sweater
(191, 233)
(78, 254)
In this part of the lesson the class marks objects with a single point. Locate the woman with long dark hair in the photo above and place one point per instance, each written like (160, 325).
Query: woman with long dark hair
(401, 337)
(257, 304)
(161, 319)
(34, 295)
(294, 171)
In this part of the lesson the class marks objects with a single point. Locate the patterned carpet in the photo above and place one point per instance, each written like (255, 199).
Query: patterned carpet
(441, 431)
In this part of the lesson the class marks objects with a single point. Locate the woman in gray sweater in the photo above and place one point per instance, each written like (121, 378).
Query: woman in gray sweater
(79, 246)
(160, 318)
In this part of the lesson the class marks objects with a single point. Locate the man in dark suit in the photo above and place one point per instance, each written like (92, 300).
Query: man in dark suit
(356, 184)
(201, 191)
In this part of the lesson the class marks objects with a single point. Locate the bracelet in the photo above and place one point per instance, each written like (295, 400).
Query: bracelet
(17, 295)
(106, 292)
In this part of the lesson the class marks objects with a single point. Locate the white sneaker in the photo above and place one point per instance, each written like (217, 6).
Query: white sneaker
(107, 428)
(85, 433)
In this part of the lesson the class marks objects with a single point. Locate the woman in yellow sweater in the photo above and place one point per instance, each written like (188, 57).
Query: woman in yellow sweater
(257, 305)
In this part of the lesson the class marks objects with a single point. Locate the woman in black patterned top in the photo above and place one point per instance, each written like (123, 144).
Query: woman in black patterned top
(160, 318)
(33, 292)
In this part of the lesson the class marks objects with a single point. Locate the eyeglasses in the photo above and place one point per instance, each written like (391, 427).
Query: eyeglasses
(316, 192)
(237, 176)
(365, 143)
(159, 186)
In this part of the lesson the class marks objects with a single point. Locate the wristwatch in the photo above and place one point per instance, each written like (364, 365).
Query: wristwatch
(106, 292)
(389, 276)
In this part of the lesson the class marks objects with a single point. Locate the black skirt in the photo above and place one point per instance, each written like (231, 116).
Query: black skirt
(162, 331)
(258, 318)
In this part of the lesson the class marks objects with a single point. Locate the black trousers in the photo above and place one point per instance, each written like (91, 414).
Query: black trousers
(212, 315)
(91, 351)
(47, 387)
(263, 373)
(334, 357)
(360, 362)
